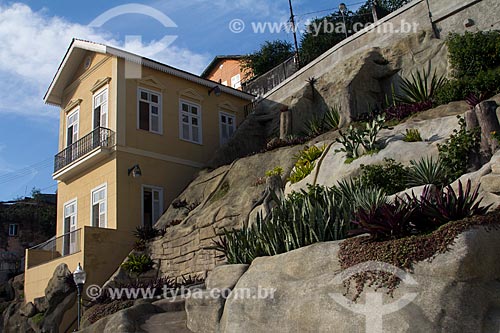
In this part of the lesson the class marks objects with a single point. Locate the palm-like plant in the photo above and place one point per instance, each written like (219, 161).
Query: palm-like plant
(426, 171)
(420, 87)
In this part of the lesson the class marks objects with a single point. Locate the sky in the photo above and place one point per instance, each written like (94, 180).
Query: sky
(35, 34)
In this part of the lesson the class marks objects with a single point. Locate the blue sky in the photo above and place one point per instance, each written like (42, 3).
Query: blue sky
(35, 34)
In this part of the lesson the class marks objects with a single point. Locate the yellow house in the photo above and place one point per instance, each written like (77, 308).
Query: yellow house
(133, 133)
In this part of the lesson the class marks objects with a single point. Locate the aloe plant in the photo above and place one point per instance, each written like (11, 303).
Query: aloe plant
(426, 171)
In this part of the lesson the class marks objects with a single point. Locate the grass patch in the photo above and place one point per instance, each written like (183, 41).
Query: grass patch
(403, 252)
(221, 192)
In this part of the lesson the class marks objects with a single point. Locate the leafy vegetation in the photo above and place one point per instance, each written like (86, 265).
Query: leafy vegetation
(412, 135)
(319, 125)
(426, 171)
(277, 171)
(138, 264)
(455, 154)
(221, 192)
(303, 218)
(390, 176)
(356, 138)
(270, 55)
(403, 252)
(475, 59)
(400, 111)
(420, 88)
(146, 233)
(305, 163)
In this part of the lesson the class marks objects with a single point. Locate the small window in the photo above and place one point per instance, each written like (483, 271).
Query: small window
(227, 124)
(236, 81)
(13, 230)
(149, 111)
(190, 122)
(99, 207)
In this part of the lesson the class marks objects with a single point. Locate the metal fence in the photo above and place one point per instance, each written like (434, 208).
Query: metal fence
(99, 137)
(264, 83)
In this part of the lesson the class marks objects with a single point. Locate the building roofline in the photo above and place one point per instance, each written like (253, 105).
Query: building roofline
(119, 53)
(215, 60)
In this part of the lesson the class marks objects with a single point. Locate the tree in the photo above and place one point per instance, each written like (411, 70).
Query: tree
(325, 32)
(270, 55)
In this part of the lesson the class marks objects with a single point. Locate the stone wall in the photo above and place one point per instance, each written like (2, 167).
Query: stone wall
(349, 74)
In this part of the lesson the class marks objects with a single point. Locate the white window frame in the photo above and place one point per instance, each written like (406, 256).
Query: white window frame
(190, 115)
(224, 83)
(228, 115)
(70, 114)
(153, 188)
(97, 93)
(99, 188)
(67, 203)
(15, 227)
(160, 110)
(236, 81)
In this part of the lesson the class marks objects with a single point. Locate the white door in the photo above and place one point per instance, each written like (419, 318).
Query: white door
(72, 135)
(152, 205)
(227, 123)
(70, 239)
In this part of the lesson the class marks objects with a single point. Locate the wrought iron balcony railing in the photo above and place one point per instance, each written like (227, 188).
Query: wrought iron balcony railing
(99, 137)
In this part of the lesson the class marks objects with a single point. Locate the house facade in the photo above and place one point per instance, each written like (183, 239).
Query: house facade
(133, 134)
(226, 69)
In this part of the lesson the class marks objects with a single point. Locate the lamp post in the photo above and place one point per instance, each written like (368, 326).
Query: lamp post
(343, 11)
(79, 277)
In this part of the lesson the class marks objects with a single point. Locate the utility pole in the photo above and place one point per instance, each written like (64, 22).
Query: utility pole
(294, 30)
(374, 11)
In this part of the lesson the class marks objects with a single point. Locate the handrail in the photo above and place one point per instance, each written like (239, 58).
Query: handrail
(56, 247)
(99, 137)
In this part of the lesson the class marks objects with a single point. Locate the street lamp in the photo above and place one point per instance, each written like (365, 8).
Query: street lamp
(79, 276)
(343, 11)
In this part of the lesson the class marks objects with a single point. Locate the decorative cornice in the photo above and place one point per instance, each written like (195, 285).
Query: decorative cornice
(72, 104)
(99, 84)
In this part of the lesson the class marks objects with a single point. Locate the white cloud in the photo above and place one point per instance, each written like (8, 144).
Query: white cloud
(33, 44)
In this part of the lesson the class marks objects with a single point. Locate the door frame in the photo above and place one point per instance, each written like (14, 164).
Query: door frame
(93, 105)
(227, 114)
(162, 199)
(65, 231)
(72, 112)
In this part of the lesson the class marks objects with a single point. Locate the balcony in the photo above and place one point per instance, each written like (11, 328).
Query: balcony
(54, 248)
(74, 158)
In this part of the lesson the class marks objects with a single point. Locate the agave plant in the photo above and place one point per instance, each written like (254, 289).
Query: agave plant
(421, 87)
(426, 171)
(331, 118)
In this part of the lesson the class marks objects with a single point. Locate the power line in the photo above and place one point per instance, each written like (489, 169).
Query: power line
(21, 173)
(331, 9)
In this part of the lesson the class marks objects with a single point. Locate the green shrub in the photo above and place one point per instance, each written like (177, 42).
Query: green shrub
(412, 135)
(472, 53)
(475, 59)
(455, 154)
(389, 176)
(426, 171)
(277, 171)
(138, 264)
(305, 163)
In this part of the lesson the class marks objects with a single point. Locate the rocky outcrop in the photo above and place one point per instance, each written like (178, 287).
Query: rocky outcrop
(458, 291)
(60, 295)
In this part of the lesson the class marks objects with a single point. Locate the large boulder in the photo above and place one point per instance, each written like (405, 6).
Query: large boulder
(458, 291)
